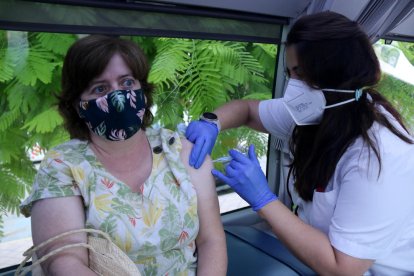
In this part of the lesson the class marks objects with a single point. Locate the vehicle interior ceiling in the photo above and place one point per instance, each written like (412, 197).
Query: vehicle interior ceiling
(381, 19)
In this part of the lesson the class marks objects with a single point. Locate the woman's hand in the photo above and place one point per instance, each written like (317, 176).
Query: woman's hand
(245, 176)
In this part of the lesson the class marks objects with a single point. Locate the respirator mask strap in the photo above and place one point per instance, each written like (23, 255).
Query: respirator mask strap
(358, 94)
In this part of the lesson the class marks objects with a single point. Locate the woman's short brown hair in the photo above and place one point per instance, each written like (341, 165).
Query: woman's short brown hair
(85, 60)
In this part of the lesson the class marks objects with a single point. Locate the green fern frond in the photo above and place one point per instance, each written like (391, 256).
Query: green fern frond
(11, 48)
(56, 43)
(44, 122)
(23, 169)
(236, 63)
(240, 139)
(169, 110)
(172, 57)
(237, 54)
(266, 56)
(37, 65)
(259, 79)
(205, 89)
(250, 63)
(8, 118)
(147, 44)
(13, 190)
(226, 52)
(6, 65)
(16, 170)
(22, 97)
(269, 49)
(47, 140)
(12, 141)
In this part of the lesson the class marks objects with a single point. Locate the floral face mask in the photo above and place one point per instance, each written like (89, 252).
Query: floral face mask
(116, 116)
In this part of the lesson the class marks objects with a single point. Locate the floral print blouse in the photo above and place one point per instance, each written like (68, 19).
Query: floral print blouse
(155, 227)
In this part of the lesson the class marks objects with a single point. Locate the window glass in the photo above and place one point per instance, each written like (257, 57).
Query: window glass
(133, 17)
(191, 76)
(397, 83)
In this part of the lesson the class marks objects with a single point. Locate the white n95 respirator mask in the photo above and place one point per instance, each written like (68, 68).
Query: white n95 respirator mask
(306, 104)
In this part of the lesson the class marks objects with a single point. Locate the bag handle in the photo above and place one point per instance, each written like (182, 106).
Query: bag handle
(29, 253)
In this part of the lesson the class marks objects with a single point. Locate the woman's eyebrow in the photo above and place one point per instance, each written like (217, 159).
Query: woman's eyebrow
(96, 82)
(104, 81)
(126, 75)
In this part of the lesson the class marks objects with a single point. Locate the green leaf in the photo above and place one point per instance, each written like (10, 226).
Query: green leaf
(172, 57)
(109, 225)
(6, 64)
(22, 98)
(118, 100)
(56, 43)
(45, 121)
(47, 140)
(123, 208)
(35, 66)
(16, 181)
(9, 54)
(8, 118)
(168, 241)
(12, 145)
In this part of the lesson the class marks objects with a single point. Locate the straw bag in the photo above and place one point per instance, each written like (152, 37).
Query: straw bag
(105, 258)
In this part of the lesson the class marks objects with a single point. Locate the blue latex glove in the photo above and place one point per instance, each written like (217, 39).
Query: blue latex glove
(245, 176)
(203, 135)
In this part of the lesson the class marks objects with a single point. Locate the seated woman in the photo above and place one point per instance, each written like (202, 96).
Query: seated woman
(119, 176)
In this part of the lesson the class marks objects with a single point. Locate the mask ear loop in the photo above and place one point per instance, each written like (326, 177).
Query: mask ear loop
(358, 94)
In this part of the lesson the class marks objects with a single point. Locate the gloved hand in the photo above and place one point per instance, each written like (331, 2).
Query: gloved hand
(245, 176)
(203, 135)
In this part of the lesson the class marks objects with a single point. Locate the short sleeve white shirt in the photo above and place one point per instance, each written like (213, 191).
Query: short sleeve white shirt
(366, 214)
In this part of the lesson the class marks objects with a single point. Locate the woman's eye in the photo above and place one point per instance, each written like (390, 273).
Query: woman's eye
(128, 83)
(99, 89)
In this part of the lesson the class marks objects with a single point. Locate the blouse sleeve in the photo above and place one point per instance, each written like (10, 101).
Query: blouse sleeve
(55, 178)
(276, 119)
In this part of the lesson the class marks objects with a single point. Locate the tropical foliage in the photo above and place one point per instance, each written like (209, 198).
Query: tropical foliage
(400, 93)
(408, 50)
(191, 76)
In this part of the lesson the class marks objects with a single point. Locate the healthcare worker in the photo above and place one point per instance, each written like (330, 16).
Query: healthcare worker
(352, 174)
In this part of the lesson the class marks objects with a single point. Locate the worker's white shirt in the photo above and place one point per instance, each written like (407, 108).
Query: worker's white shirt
(365, 214)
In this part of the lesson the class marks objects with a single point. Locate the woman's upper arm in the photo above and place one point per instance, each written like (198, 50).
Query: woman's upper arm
(207, 201)
(53, 216)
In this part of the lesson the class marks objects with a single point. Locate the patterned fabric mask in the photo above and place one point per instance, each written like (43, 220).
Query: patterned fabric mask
(116, 116)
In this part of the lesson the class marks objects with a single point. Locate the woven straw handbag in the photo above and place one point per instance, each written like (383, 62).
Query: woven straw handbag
(105, 257)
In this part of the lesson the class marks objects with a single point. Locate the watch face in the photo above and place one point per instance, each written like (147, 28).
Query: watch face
(210, 116)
